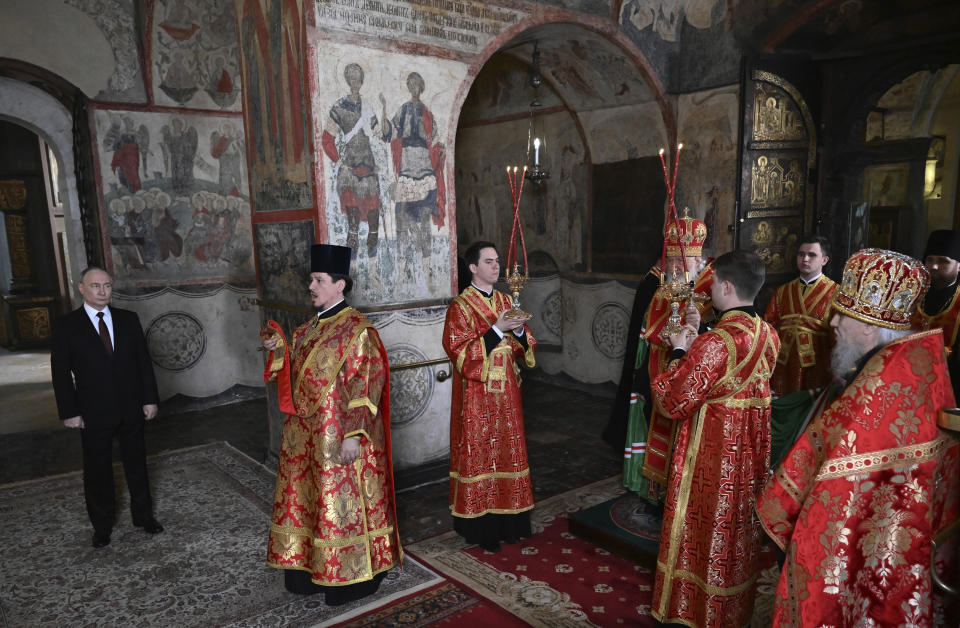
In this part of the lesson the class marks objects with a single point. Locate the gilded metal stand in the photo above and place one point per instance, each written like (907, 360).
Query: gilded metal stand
(516, 281)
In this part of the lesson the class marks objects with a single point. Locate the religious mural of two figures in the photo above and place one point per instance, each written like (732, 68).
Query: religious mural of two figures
(385, 188)
(175, 194)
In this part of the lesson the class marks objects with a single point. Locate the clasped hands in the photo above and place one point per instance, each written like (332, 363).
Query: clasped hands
(688, 333)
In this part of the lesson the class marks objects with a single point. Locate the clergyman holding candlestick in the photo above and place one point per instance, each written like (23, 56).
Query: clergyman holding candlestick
(490, 488)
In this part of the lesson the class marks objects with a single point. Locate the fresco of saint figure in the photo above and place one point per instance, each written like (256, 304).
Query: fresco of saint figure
(179, 149)
(418, 161)
(346, 141)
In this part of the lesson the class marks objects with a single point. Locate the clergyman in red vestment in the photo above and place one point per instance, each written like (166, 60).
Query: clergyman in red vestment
(334, 522)
(490, 489)
(800, 312)
(688, 263)
(717, 388)
(858, 499)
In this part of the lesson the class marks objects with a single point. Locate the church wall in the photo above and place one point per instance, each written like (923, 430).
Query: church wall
(709, 126)
(552, 212)
(174, 192)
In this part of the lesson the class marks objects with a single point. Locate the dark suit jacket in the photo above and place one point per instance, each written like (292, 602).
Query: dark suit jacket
(88, 382)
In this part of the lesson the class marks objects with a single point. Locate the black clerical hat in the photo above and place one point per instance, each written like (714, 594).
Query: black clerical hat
(330, 259)
(945, 242)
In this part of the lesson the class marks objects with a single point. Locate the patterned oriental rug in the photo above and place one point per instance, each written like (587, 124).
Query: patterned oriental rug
(206, 569)
(553, 579)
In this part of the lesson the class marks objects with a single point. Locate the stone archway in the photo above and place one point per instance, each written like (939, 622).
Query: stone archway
(43, 114)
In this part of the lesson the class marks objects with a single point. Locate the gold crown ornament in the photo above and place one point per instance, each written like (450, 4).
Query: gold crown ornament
(690, 231)
(881, 287)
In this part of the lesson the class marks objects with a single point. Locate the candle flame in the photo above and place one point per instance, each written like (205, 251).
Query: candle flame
(680, 145)
(536, 142)
(524, 168)
(661, 151)
(508, 169)
(515, 169)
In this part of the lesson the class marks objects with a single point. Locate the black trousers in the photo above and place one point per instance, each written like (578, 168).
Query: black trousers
(98, 488)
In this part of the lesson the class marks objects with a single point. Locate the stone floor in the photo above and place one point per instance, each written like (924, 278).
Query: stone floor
(564, 420)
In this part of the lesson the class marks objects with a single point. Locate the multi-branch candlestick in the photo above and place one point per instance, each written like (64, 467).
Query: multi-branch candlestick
(515, 278)
(676, 289)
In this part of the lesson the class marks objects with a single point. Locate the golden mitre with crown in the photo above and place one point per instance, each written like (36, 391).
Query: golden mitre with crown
(692, 233)
(881, 288)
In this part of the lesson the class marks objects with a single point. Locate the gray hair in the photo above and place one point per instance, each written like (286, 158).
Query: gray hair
(885, 335)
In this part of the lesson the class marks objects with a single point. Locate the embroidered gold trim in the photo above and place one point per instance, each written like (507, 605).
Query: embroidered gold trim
(362, 402)
(709, 588)
(344, 542)
(680, 513)
(332, 584)
(880, 460)
(757, 402)
(490, 511)
(500, 475)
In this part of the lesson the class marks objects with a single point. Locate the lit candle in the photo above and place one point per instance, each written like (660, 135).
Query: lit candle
(536, 151)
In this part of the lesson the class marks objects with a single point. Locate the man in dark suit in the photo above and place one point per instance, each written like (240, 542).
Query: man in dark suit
(104, 384)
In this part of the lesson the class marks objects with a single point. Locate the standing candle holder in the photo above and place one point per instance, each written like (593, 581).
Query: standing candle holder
(516, 278)
(676, 289)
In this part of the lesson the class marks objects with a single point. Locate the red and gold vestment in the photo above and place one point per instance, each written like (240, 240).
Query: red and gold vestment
(489, 471)
(802, 320)
(857, 501)
(336, 521)
(719, 394)
(948, 320)
(662, 431)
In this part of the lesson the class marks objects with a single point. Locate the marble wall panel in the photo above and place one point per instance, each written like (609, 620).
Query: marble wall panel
(594, 319)
(543, 298)
(194, 54)
(385, 128)
(200, 344)
(419, 404)
(175, 202)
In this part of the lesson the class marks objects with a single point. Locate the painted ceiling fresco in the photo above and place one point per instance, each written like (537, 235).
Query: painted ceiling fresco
(585, 71)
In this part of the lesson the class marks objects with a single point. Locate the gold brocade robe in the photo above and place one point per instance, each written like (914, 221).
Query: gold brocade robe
(719, 393)
(858, 499)
(662, 431)
(489, 471)
(802, 320)
(948, 320)
(336, 521)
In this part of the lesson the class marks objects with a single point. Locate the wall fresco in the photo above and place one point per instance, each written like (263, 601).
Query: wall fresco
(708, 174)
(383, 144)
(466, 25)
(117, 19)
(274, 102)
(175, 198)
(195, 54)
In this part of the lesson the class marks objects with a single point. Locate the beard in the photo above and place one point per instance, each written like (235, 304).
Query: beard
(844, 357)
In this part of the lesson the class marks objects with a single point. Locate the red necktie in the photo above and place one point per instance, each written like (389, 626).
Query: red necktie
(104, 334)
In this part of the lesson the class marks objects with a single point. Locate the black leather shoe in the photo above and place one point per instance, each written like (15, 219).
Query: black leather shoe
(101, 540)
(150, 526)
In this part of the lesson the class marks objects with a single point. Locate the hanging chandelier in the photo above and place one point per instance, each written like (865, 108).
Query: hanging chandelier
(536, 139)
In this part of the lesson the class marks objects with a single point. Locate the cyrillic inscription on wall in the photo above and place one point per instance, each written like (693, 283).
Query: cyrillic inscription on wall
(464, 25)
